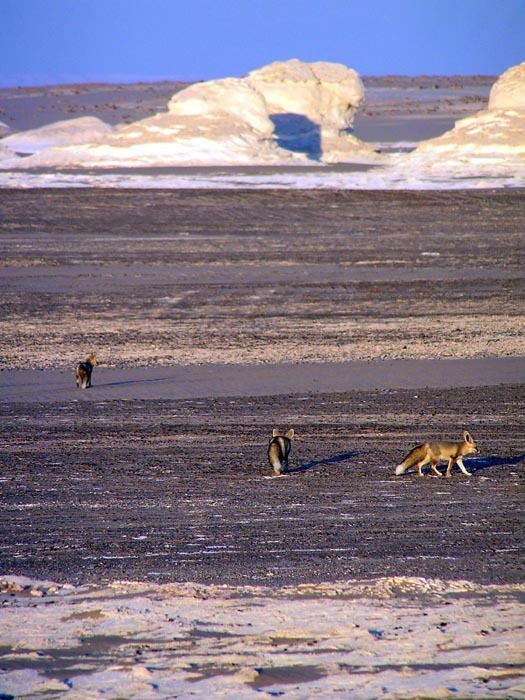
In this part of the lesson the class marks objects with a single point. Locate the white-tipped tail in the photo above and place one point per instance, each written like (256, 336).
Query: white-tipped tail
(400, 469)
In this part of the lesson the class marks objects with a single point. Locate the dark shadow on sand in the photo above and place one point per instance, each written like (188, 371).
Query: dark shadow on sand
(317, 462)
(478, 464)
(132, 381)
(298, 134)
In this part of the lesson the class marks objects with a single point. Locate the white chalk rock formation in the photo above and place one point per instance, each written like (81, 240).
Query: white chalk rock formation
(214, 123)
(222, 122)
(508, 92)
(286, 113)
(231, 104)
(312, 107)
(491, 132)
(67, 132)
(490, 143)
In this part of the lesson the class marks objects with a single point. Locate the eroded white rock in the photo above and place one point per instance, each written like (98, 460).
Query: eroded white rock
(491, 143)
(67, 132)
(285, 113)
(489, 132)
(508, 92)
(312, 107)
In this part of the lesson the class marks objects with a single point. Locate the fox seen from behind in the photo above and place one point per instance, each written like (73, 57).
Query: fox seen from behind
(435, 452)
(279, 449)
(84, 371)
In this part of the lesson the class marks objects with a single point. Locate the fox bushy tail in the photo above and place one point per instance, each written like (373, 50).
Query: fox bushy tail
(411, 459)
(274, 457)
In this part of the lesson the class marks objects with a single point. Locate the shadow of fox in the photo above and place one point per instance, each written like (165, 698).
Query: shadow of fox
(479, 463)
(328, 460)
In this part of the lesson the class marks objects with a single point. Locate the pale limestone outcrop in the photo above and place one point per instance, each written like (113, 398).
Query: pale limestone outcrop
(508, 92)
(285, 113)
(233, 100)
(489, 143)
(63, 133)
(491, 131)
(312, 106)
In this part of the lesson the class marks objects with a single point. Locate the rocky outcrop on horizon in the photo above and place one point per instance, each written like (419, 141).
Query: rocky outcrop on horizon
(285, 113)
(491, 141)
(312, 107)
(67, 132)
(508, 92)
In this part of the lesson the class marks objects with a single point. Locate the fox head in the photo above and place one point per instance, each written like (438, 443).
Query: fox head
(470, 445)
(92, 359)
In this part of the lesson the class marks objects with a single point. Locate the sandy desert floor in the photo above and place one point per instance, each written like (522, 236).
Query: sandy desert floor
(369, 321)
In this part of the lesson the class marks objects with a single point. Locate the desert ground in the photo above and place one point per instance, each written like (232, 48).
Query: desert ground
(147, 550)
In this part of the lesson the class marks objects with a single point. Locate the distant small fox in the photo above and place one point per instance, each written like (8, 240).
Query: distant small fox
(83, 372)
(279, 449)
(434, 452)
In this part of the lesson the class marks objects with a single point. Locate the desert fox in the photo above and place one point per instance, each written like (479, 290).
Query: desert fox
(434, 452)
(84, 370)
(279, 449)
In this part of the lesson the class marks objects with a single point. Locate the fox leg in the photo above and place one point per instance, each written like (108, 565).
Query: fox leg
(451, 461)
(460, 464)
(433, 466)
(422, 463)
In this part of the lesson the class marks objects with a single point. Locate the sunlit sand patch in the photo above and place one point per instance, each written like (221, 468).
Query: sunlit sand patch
(391, 637)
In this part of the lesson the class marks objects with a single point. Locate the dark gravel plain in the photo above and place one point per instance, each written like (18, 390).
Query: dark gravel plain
(178, 490)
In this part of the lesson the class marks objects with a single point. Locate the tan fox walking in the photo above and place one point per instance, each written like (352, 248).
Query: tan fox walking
(84, 371)
(435, 452)
(279, 449)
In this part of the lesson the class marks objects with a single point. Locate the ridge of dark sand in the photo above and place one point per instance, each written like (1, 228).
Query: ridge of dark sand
(216, 380)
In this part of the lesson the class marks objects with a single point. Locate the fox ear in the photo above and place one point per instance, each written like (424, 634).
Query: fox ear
(468, 436)
(290, 433)
(275, 432)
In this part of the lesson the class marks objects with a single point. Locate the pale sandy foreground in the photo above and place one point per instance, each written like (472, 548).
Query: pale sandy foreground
(391, 638)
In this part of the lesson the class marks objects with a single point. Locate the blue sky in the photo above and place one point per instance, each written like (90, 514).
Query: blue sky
(57, 41)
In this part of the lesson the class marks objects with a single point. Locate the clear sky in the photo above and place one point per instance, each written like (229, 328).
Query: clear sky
(63, 41)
